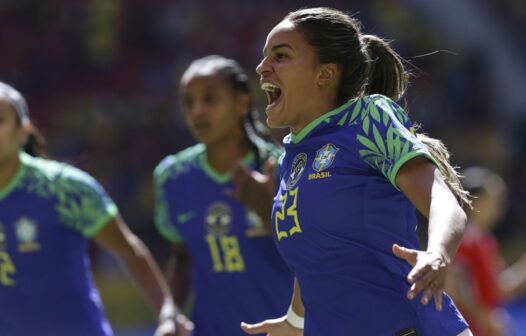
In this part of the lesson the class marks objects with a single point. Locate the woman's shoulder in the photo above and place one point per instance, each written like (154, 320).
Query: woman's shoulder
(175, 164)
(55, 176)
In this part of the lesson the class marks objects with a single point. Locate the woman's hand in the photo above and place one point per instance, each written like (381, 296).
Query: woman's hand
(181, 326)
(255, 190)
(428, 274)
(274, 327)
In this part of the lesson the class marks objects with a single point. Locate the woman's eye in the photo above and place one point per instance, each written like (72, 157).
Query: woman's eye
(280, 56)
(210, 99)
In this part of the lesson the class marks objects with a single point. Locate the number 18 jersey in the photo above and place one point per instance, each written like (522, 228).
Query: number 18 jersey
(238, 274)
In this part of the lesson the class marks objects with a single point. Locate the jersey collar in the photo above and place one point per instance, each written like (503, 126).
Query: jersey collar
(296, 138)
(218, 177)
(15, 180)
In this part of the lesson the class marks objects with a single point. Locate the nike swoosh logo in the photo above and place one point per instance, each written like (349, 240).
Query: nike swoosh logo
(184, 217)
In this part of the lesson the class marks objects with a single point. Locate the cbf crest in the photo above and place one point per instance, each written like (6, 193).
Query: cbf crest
(298, 166)
(324, 157)
(218, 219)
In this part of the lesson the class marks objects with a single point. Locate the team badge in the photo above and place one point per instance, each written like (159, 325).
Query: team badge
(256, 227)
(324, 157)
(26, 231)
(218, 219)
(298, 166)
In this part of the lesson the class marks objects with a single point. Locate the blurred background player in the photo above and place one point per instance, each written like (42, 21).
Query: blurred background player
(479, 283)
(49, 212)
(222, 249)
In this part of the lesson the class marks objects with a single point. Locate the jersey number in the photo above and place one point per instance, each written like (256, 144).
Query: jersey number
(290, 211)
(7, 268)
(225, 253)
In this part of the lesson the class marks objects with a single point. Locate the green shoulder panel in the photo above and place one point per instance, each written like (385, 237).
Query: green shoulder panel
(170, 168)
(385, 135)
(80, 201)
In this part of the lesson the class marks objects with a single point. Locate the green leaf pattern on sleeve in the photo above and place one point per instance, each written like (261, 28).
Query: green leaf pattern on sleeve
(165, 170)
(385, 136)
(81, 202)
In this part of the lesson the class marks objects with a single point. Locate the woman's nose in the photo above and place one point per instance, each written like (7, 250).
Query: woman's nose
(262, 67)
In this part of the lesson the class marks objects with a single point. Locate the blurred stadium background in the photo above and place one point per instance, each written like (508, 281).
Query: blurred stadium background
(100, 79)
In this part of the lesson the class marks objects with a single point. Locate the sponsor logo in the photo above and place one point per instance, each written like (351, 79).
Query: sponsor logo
(184, 217)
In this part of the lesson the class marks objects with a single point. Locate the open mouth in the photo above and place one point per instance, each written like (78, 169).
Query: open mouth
(273, 93)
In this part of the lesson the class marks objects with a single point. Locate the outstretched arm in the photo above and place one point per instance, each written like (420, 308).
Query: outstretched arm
(512, 281)
(117, 238)
(424, 186)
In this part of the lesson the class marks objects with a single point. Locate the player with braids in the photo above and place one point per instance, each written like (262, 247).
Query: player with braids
(49, 212)
(353, 173)
(223, 248)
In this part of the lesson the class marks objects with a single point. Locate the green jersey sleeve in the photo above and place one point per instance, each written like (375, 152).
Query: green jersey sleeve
(83, 204)
(163, 220)
(386, 137)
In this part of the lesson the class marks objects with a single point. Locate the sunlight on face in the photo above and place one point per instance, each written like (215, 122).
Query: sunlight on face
(212, 108)
(288, 74)
(11, 132)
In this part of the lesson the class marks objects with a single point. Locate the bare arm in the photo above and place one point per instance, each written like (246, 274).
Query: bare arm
(424, 186)
(297, 303)
(178, 273)
(459, 285)
(117, 238)
(512, 280)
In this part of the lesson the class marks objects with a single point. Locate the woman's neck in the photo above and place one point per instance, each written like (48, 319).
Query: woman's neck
(8, 170)
(322, 107)
(223, 156)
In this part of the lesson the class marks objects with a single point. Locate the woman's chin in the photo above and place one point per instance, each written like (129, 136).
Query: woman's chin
(274, 119)
(273, 123)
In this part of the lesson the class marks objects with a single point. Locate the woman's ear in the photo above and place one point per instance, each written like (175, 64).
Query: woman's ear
(327, 74)
(24, 132)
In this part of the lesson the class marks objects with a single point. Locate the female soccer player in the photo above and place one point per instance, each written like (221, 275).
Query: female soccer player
(478, 280)
(352, 175)
(49, 211)
(235, 263)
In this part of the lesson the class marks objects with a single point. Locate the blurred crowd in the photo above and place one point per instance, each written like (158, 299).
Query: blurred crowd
(100, 77)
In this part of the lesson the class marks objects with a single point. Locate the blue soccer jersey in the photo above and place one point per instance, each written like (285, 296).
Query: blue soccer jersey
(337, 214)
(238, 272)
(48, 212)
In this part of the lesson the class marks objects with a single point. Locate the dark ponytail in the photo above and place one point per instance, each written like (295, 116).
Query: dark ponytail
(36, 143)
(386, 73)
